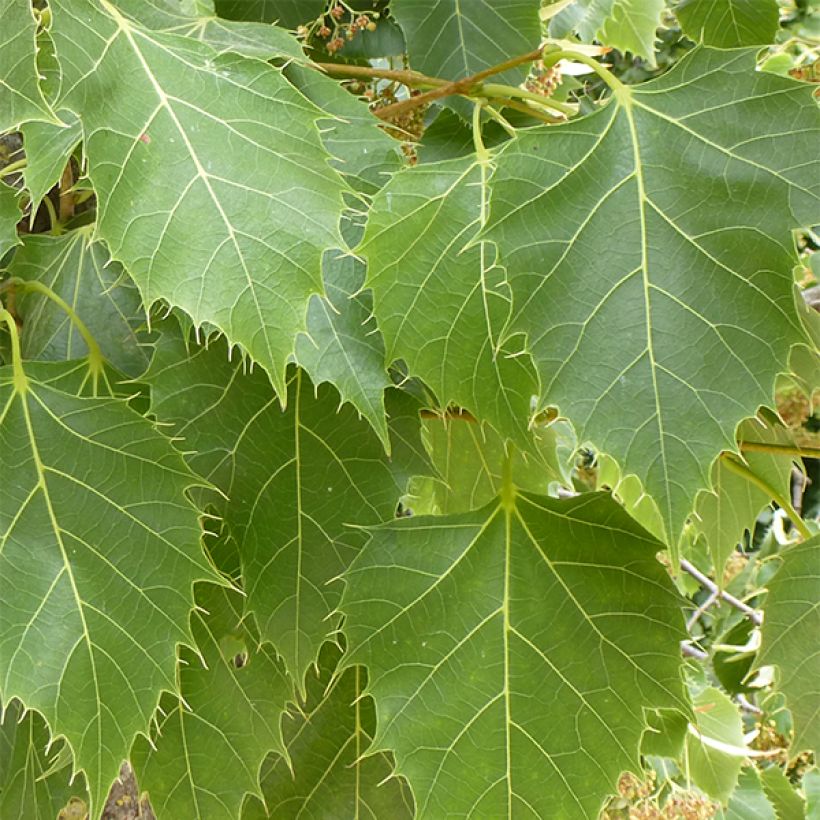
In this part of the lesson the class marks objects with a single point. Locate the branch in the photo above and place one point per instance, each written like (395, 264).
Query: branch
(755, 617)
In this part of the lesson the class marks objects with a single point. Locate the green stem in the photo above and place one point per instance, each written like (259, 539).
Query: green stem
(20, 380)
(779, 449)
(96, 360)
(552, 57)
(482, 154)
(753, 478)
(499, 90)
(13, 167)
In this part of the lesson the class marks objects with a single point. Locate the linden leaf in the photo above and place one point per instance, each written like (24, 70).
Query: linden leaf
(206, 753)
(183, 143)
(20, 96)
(729, 23)
(513, 652)
(77, 269)
(649, 248)
(790, 614)
(99, 549)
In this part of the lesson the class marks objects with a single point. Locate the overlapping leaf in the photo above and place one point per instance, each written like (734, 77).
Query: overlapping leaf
(288, 13)
(98, 555)
(628, 25)
(512, 652)
(440, 304)
(301, 477)
(34, 773)
(453, 39)
(77, 269)
(9, 217)
(791, 613)
(648, 247)
(729, 23)
(748, 800)
(326, 740)
(213, 183)
(20, 96)
(207, 752)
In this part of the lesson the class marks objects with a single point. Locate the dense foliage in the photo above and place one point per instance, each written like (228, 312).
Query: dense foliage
(408, 409)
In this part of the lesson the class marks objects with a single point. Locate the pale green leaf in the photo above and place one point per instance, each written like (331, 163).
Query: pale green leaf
(512, 653)
(811, 788)
(326, 738)
(288, 13)
(788, 805)
(300, 478)
(791, 614)
(34, 783)
(208, 751)
(748, 800)
(9, 217)
(469, 458)
(213, 183)
(713, 771)
(77, 269)
(666, 733)
(48, 149)
(20, 96)
(199, 22)
(99, 550)
(630, 492)
(628, 25)
(454, 39)
(649, 248)
(731, 507)
(440, 304)
(729, 23)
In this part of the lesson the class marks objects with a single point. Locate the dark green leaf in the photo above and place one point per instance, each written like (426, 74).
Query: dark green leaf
(729, 23)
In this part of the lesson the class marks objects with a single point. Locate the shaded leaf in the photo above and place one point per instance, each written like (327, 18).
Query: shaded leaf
(183, 142)
(729, 23)
(34, 782)
(9, 217)
(788, 805)
(301, 477)
(78, 270)
(662, 222)
(452, 39)
(440, 304)
(512, 652)
(99, 550)
(208, 756)
(20, 96)
(288, 13)
(791, 613)
(748, 800)
(326, 739)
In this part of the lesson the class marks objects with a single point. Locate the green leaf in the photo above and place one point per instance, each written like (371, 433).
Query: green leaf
(77, 269)
(630, 493)
(811, 788)
(207, 752)
(199, 22)
(343, 345)
(9, 217)
(99, 550)
(513, 651)
(34, 782)
(288, 13)
(182, 143)
(788, 805)
(748, 800)
(21, 98)
(731, 507)
(48, 149)
(442, 303)
(714, 771)
(453, 39)
(666, 733)
(326, 739)
(628, 25)
(729, 23)
(469, 458)
(301, 477)
(790, 614)
(655, 259)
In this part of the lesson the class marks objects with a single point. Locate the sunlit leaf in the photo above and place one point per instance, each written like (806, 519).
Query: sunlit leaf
(183, 143)
(512, 652)
(729, 23)
(649, 248)
(790, 614)
(748, 800)
(628, 25)
(788, 805)
(99, 550)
